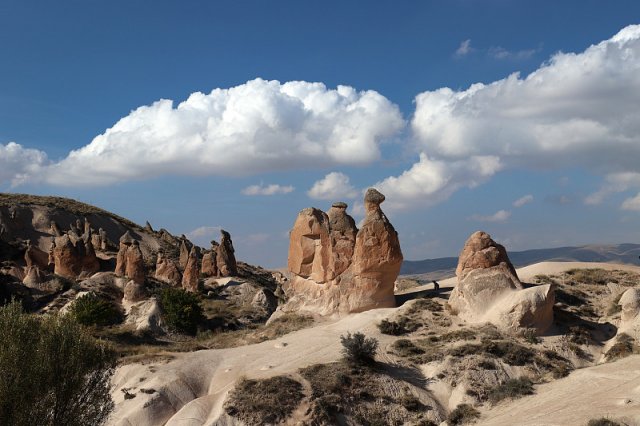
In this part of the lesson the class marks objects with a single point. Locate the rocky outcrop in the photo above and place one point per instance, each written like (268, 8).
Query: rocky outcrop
(167, 270)
(134, 292)
(190, 278)
(630, 315)
(338, 269)
(185, 248)
(129, 261)
(225, 256)
(481, 252)
(209, 266)
(343, 238)
(73, 258)
(489, 290)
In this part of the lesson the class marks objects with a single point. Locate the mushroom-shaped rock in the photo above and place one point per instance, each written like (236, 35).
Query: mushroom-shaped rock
(377, 257)
(167, 270)
(225, 256)
(489, 290)
(190, 278)
(343, 238)
(336, 268)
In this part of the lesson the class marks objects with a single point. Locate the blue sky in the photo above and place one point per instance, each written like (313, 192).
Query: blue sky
(88, 75)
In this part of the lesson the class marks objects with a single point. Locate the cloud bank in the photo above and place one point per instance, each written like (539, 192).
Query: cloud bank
(18, 164)
(256, 127)
(576, 110)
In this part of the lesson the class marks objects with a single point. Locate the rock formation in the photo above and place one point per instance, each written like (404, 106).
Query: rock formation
(209, 266)
(184, 253)
(225, 257)
(55, 229)
(134, 292)
(190, 278)
(630, 315)
(337, 269)
(73, 257)
(167, 270)
(129, 261)
(489, 290)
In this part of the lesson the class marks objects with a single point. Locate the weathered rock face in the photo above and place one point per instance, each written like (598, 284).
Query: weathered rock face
(135, 264)
(489, 290)
(134, 292)
(73, 258)
(184, 253)
(190, 278)
(343, 238)
(129, 261)
(209, 266)
(481, 252)
(310, 245)
(225, 256)
(337, 269)
(167, 270)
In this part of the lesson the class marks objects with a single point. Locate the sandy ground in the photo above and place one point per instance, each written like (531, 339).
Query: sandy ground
(608, 390)
(193, 386)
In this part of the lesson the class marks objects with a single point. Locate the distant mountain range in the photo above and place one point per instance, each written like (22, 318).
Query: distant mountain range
(446, 266)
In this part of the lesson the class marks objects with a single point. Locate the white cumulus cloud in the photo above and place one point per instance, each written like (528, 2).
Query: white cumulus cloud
(18, 164)
(576, 110)
(271, 189)
(333, 186)
(256, 127)
(499, 216)
(523, 200)
(431, 181)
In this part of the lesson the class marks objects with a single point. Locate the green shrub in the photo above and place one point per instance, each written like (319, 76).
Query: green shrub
(53, 371)
(359, 349)
(90, 309)
(182, 311)
(462, 414)
(267, 401)
(512, 388)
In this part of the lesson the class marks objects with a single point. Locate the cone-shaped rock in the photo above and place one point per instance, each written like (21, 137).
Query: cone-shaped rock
(489, 290)
(167, 270)
(191, 275)
(225, 256)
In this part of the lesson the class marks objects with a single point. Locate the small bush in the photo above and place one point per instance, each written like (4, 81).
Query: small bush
(90, 309)
(393, 328)
(268, 401)
(182, 311)
(53, 371)
(512, 388)
(602, 421)
(462, 414)
(623, 347)
(359, 349)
